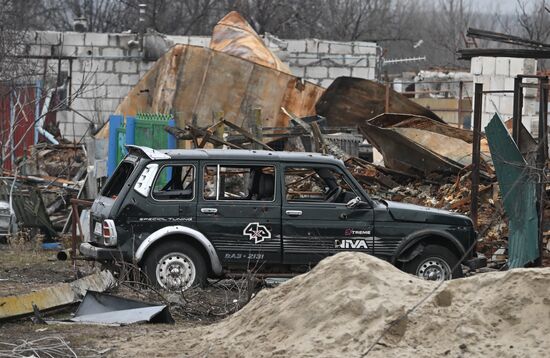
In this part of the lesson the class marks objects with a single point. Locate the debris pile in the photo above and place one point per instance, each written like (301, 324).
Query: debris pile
(47, 180)
(319, 314)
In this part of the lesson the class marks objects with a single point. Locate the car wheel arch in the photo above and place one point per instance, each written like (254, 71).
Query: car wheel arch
(179, 233)
(406, 249)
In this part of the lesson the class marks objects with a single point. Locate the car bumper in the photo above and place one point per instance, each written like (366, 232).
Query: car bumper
(100, 253)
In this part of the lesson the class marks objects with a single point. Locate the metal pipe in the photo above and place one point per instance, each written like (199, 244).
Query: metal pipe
(387, 101)
(460, 120)
(516, 112)
(476, 149)
(542, 156)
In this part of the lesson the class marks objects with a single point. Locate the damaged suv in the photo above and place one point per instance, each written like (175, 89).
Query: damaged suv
(188, 215)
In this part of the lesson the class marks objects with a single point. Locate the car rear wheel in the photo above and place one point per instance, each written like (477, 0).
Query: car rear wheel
(175, 266)
(435, 263)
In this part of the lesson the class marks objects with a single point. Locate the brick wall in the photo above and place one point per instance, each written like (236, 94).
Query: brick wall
(498, 73)
(105, 67)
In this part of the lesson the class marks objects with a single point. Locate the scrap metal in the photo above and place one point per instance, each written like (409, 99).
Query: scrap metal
(419, 145)
(350, 101)
(101, 308)
(518, 191)
(55, 296)
(231, 76)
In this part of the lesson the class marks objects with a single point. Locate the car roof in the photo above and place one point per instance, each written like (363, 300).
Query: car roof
(232, 154)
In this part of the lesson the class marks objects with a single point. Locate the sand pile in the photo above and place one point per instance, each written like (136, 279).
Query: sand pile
(341, 307)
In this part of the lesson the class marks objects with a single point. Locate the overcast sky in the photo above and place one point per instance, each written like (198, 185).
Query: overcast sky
(505, 6)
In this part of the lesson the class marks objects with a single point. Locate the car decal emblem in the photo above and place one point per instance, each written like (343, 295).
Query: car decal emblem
(257, 232)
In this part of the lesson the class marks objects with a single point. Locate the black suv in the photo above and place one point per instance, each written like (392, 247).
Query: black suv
(187, 215)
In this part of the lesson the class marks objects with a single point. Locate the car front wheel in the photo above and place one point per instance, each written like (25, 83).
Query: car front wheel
(175, 266)
(435, 263)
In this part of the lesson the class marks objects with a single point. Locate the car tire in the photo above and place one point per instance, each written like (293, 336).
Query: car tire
(175, 266)
(434, 263)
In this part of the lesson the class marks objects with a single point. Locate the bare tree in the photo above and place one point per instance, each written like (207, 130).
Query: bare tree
(100, 15)
(534, 19)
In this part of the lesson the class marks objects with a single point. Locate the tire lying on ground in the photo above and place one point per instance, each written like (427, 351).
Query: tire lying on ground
(434, 263)
(175, 266)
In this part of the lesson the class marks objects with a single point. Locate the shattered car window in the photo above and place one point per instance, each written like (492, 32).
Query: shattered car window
(120, 176)
(239, 183)
(175, 182)
(316, 185)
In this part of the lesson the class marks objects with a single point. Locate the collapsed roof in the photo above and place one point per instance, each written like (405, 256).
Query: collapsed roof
(235, 75)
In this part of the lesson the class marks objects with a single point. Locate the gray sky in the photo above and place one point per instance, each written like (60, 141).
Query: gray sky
(505, 6)
(508, 6)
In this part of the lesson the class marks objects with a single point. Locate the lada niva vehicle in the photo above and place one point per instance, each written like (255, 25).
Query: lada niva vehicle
(188, 215)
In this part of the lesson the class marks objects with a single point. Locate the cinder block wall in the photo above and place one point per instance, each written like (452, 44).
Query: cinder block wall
(321, 61)
(498, 73)
(105, 67)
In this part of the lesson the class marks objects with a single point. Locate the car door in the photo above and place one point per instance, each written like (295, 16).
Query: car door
(165, 194)
(239, 210)
(316, 220)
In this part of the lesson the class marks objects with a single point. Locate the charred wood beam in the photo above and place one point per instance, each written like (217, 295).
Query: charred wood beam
(504, 38)
(187, 134)
(468, 53)
(246, 134)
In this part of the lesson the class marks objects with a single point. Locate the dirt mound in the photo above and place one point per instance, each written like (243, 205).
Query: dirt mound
(341, 307)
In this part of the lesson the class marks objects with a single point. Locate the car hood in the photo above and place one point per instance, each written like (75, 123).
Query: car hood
(423, 214)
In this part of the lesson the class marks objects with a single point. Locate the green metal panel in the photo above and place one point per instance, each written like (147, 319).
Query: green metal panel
(150, 130)
(518, 191)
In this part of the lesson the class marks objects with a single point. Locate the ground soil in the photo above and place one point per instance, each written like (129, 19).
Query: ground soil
(351, 305)
(24, 269)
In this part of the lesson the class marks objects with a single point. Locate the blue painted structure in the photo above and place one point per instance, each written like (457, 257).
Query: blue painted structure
(151, 130)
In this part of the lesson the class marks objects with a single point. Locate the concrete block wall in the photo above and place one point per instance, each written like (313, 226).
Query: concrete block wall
(104, 69)
(321, 61)
(498, 73)
(106, 66)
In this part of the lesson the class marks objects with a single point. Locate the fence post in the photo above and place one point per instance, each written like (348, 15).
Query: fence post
(171, 139)
(257, 127)
(115, 121)
(476, 148)
(130, 130)
(542, 156)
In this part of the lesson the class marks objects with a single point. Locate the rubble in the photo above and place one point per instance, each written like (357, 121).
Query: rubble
(54, 296)
(420, 145)
(47, 180)
(235, 75)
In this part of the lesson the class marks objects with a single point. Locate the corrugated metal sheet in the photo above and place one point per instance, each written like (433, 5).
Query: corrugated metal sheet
(518, 190)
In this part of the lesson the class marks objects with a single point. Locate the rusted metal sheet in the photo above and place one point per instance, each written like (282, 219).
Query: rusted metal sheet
(420, 145)
(191, 81)
(350, 101)
(234, 36)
